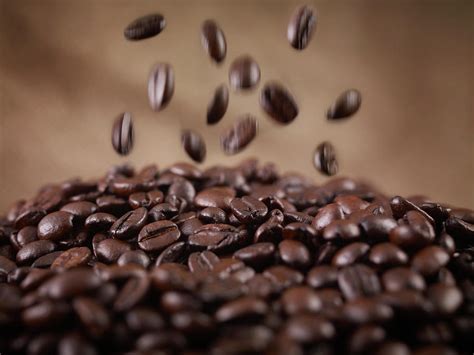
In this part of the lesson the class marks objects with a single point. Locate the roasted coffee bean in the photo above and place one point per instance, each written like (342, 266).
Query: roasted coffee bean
(300, 299)
(175, 253)
(113, 205)
(109, 250)
(193, 144)
(393, 348)
(226, 267)
(157, 236)
(300, 231)
(145, 199)
(243, 309)
(69, 284)
(248, 210)
(212, 215)
(401, 278)
(174, 302)
(81, 209)
(163, 211)
(202, 262)
(301, 217)
(218, 105)
(301, 27)
(239, 136)
(429, 260)
(377, 227)
(132, 293)
(461, 230)
(351, 203)
(129, 224)
(181, 189)
(244, 73)
(145, 27)
(171, 276)
(387, 255)
(257, 255)
(160, 86)
(93, 315)
(341, 231)
(219, 197)
(283, 277)
(366, 310)
(446, 299)
(75, 344)
(400, 206)
(307, 329)
(123, 135)
(46, 260)
(294, 254)
(270, 231)
(29, 216)
(346, 105)
(55, 226)
(365, 338)
(100, 221)
(34, 250)
(137, 257)
(71, 258)
(324, 159)
(127, 186)
(6, 265)
(213, 41)
(350, 254)
(278, 103)
(44, 314)
(407, 238)
(322, 276)
(357, 281)
(420, 224)
(24, 236)
(142, 319)
(326, 215)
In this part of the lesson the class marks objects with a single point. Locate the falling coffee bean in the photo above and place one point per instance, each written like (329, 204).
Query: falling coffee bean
(235, 139)
(325, 159)
(244, 73)
(122, 134)
(218, 106)
(278, 103)
(301, 27)
(160, 86)
(193, 145)
(145, 27)
(213, 40)
(346, 105)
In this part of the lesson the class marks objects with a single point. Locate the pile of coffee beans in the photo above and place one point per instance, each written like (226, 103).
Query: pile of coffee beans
(244, 74)
(233, 260)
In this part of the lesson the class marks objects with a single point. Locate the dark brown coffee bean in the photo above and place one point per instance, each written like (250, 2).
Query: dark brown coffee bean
(294, 254)
(239, 136)
(10, 298)
(175, 253)
(446, 299)
(271, 230)
(324, 159)
(393, 348)
(194, 145)
(301, 299)
(341, 231)
(24, 236)
(300, 231)
(163, 211)
(132, 293)
(365, 338)
(350, 254)
(81, 209)
(377, 227)
(212, 215)
(34, 250)
(401, 278)
(69, 284)
(156, 236)
(351, 203)
(283, 277)
(218, 105)
(358, 280)
(126, 186)
(326, 215)
(142, 319)
(243, 309)
(202, 262)
(116, 272)
(183, 189)
(322, 276)
(219, 197)
(387, 255)
(100, 221)
(256, 255)
(301, 27)
(145, 199)
(226, 267)
(55, 226)
(213, 41)
(137, 257)
(429, 260)
(461, 230)
(420, 224)
(29, 216)
(400, 206)
(129, 224)
(167, 277)
(71, 258)
(248, 210)
(113, 205)
(93, 316)
(278, 103)
(6, 265)
(366, 310)
(346, 105)
(34, 278)
(75, 344)
(308, 329)
(174, 302)
(44, 314)
(46, 260)
(122, 134)
(160, 86)
(109, 250)
(407, 238)
(145, 27)
(244, 73)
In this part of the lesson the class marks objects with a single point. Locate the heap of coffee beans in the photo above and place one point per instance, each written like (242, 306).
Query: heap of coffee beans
(244, 74)
(233, 260)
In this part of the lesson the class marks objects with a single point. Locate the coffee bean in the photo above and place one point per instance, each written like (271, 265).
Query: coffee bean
(346, 105)
(326, 215)
(393, 348)
(175, 253)
(300, 231)
(301, 299)
(93, 316)
(308, 329)
(157, 236)
(81, 210)
(160, 86)
(137, 257)
(429, 260)
(6, 265)
(29, 216)
(366, 310)
(213, 41)
(45, 261)
(99, 221)
(445, 299)
(75, 344)
(142, 319)
(322, 276)
(387, 255)
(71, 258)
(294, 254)
(461, 230)
(239, 136)
(400, 206)
(122, 134)
(283, 277)
(248, 210)
(377, 227)
(407, 238)
(24, 236)
(257, 255)
(301, 27)
(132, 293)
(163, 211)
(69, 284)
(129, 224)
(109, 250)
(111, 204)
(358, 280)
(342, 231)
(173, 277)
(44, 314)
(55, 226)
(212, 215)
(218, 105)
(243, 309)
(145, 199)
(145, 27)
(401, 278)
(350, 254)
(244, 73)
(324, 159)
(270, 231)
(219, 197)
(202, 262)
(278, 103)
(365, 338)
(193, 145)
(34, 250)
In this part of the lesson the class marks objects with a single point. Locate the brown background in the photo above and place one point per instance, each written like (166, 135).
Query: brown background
(66, 71)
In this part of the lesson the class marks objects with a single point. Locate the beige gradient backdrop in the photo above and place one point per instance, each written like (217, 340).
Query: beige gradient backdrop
(66, 72)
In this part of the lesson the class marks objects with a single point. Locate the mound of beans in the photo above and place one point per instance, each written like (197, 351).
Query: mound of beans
(233, 260)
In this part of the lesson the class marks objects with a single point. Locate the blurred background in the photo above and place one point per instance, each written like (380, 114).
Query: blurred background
(66, 72)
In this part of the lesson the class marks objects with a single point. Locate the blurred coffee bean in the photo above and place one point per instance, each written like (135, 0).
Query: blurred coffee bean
(145, 27)
(193, 145)
(213, 41)
(346, 105)
(160, 86)
(217, 107)
(324, 159)
(123, 136)
(278, 103)
(301, 27)
(244, 73)
(240, 135)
